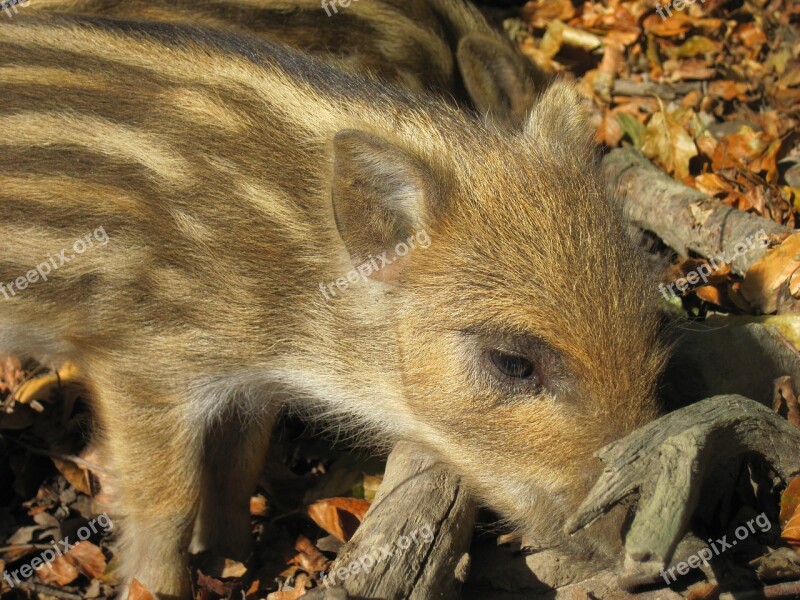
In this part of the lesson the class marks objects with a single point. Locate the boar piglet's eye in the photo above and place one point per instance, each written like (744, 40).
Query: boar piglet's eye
(512, 365)
(520, 364)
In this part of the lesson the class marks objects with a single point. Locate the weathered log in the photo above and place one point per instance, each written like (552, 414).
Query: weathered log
(414, 540)
(683, 217)
(667, 462)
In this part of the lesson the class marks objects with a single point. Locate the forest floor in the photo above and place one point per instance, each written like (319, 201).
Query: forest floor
(709, 92)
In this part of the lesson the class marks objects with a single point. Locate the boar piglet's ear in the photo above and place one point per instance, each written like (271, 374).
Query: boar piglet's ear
(496, 79)
(382, 195)
(559, 115)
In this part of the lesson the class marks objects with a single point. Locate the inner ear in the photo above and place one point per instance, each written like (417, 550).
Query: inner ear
(382, 196)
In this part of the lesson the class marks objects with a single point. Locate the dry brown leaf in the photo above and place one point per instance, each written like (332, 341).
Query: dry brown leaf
(747, 150)
(750, 35)
(541, 12)
(216, 586)
(790, 513)
(137, 591)
(88, 559)
(711, 183)
(233, 568)
(763, 280)
(675, 26)
(703, 591)
(713, 295)
(667, 142)
(60, 572)
(74, 474)
(297, 591)
(728, 90)
(259, 506)
(688, 70)
(695, 46)
(309, 558)
(610, 132)
(785, 400)
(11, 373)
(339, 516)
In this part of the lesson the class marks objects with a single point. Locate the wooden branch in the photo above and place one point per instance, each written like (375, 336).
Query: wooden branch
(414, 540)
(685, 218)
(666, 91)
(667, 462)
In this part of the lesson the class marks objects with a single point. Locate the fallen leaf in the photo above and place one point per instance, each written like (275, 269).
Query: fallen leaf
(233, 568)
(74, 474)
(541, 12)
(711, 183)
(136, 591)
(785, 401)
(299, 589)
(790, 515)
(88, 559)
(258, 506)
(11, 372)
(60, 571)
(728, 90)
(309, 558)
(667, 142)
(763, 279)
(339, 516)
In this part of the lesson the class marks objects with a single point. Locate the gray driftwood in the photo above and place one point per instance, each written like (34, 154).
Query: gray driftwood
(685, 218)
(417, 496)
(667, 461)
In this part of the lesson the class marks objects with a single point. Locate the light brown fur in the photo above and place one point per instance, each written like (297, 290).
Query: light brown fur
(444, 47)
(202, 315)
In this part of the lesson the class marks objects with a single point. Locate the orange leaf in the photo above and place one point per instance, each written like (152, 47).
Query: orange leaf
(310, 559)
(136, 591)
(88, 559)
(259, 506)
(790, 501)
(339, 516)
(60, 572)
(763, 279)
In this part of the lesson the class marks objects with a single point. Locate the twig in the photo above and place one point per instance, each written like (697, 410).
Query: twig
(24, 547)
(626, 87)
(48, 590)
(778, 591)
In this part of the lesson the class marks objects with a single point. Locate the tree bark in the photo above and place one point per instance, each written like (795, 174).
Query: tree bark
(683, 217)
(416, 534)
(667, 462)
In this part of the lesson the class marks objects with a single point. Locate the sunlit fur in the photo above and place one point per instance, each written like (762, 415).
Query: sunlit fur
(444, 47)
(202, 315)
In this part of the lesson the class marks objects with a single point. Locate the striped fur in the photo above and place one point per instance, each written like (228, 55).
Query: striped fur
(230, 178)
(445, 47)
